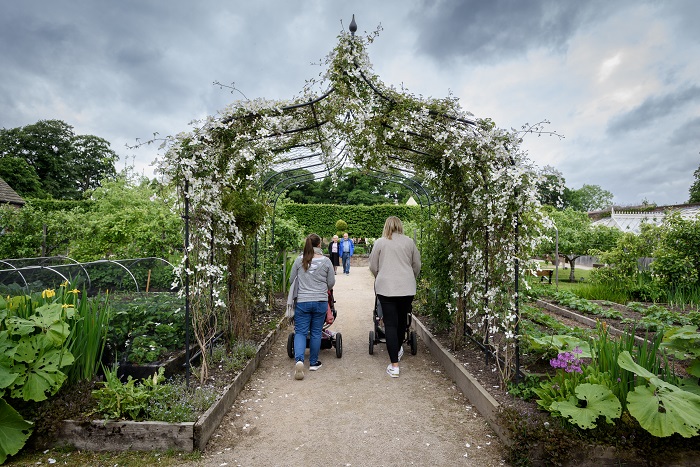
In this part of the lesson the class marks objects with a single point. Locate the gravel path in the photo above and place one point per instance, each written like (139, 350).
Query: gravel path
(350, 412)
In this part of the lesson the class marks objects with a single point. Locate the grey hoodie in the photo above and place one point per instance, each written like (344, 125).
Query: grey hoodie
(315, 283)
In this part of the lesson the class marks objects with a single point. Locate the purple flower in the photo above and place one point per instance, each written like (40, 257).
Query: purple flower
(567, 361)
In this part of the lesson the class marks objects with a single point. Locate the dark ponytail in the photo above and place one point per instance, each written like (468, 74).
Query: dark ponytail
(312, 241)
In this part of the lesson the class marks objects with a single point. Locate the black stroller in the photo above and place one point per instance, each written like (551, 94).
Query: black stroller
(377, 336)
(329, 339)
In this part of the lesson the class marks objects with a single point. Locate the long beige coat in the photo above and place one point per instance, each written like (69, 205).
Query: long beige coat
(395, 264)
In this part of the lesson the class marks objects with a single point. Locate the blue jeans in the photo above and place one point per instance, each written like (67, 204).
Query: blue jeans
(308, 316)
(346, 262)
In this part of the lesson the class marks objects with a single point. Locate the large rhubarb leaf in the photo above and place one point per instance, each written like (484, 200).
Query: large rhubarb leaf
(690, 385)
(43, 377)
(7, 377)
(14, 431)
(7, 371)
(661, 408)
(591, 402)
(694, 368)
(663, 411)
(50, 319)
(20, 326)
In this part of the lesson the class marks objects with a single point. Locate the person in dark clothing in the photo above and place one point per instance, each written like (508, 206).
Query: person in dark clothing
(334, 253)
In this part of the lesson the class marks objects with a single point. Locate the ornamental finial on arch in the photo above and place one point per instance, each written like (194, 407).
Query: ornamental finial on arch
(353, 25)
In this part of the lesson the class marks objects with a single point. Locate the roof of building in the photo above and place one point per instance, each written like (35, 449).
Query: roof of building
(631, 219)
(8, 195)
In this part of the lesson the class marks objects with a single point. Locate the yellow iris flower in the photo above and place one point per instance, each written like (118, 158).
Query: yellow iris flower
(48, 293)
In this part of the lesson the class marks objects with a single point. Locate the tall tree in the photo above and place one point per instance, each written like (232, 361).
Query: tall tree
(21, 177)
(65, 164)
(93, 161)
(587, 198)
(577, 236)
(695, 188)
(551, 187)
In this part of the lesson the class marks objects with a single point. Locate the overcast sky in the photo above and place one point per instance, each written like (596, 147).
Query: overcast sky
(620, 80)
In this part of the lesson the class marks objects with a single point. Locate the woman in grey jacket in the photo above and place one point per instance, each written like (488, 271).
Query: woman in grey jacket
(315, 276)
(395, 263)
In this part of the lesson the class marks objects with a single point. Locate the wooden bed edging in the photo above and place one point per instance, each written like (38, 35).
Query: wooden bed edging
(116, 435)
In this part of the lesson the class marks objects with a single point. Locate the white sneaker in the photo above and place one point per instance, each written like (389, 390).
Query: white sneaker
(400, 352)
(392, 371)
(299, 370)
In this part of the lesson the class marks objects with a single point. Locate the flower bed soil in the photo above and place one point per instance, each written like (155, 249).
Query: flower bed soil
(617, 327)
(539, 439)
(75, 404)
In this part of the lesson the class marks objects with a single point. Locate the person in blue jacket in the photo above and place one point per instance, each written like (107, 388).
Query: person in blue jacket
(346, 249)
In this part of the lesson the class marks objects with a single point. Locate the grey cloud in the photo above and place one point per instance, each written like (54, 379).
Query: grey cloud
(124, 70)
(686, 14)
(652, 109)
(688, 133)
(489, 31)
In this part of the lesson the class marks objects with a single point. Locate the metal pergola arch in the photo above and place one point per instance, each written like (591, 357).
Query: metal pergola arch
(311, 104)
(280, 186)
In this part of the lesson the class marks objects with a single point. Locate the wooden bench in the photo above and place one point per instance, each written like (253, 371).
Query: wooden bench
(545, 273)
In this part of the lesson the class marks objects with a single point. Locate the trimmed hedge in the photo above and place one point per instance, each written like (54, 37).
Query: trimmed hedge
(363, 221)
(50, 205)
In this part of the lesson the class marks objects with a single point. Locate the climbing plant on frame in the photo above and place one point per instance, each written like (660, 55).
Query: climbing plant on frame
(488, 184)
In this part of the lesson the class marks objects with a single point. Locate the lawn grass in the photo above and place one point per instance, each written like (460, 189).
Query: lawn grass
(581, 276)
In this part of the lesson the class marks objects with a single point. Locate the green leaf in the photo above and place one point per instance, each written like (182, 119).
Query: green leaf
(663, 411)
(43, 377)
(682, 342)
(593, 401)
(690, 385)
(14, 431)
(694, 368)
(57, 333)
(20, 326)
(563, 342)
(661, 408)
(29, 349)
(625, 361)
(7, 377)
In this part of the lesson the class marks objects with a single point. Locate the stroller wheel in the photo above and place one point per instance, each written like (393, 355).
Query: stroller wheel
(290, 345)
(414, 343)
(338, 345)
(371, 342)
